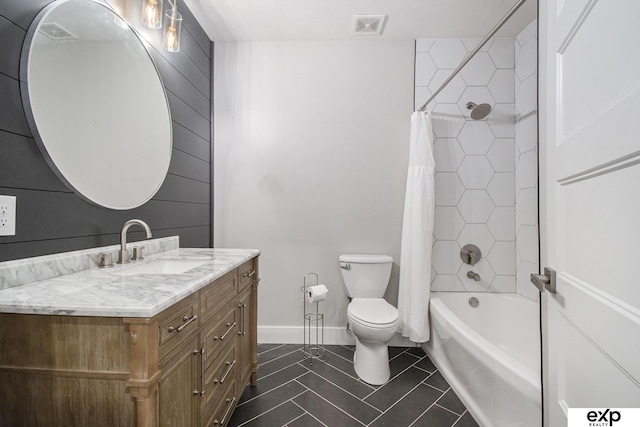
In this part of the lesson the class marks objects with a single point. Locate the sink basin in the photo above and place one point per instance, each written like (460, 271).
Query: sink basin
(163, 266)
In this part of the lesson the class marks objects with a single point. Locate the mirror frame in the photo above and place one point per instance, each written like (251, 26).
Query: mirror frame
(30, 37)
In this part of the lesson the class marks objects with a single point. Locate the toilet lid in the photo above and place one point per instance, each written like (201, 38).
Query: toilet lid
(365, 258)
(375, 311)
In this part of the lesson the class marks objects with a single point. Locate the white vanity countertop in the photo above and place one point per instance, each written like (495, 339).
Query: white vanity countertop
(102, 292)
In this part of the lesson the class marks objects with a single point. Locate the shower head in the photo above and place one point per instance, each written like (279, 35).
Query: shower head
(478, 112)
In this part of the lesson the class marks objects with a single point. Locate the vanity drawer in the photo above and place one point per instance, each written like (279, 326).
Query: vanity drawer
(247, 274)
(223, 407)
(218, 294)
(225, 329)
(177, 323)
(222, 371)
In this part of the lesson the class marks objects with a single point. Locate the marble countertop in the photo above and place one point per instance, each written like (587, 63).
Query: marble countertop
(104, 292)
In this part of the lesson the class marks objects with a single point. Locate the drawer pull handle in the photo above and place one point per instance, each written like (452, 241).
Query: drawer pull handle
(226, 414)
(242, 308)
(249, 273)
(184, 325)
(230, 326)
(196, 392)
(230, 366)
(202, 371)
(186, 319)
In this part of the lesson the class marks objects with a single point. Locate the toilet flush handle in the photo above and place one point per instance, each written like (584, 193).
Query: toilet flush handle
(346, 266)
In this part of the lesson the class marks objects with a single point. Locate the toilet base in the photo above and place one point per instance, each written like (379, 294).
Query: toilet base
(371, 362)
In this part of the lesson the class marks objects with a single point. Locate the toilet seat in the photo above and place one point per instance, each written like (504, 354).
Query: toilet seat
(373, 312)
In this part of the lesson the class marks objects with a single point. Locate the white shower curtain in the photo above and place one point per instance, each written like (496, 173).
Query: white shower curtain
(417, 232)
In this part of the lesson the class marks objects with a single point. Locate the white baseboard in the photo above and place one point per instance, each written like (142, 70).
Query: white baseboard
(332, 336)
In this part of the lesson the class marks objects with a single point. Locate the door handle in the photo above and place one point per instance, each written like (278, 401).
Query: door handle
(545, 281)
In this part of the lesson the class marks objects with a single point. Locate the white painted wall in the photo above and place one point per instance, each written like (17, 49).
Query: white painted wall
(311, 149)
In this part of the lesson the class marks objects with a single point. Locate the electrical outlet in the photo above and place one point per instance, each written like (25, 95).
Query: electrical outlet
(7, 215)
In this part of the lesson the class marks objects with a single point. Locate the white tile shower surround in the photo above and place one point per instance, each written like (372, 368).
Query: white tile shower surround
(485, 189)
(526, 160)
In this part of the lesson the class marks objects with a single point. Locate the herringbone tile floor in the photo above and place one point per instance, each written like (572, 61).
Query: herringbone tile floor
(291, 392)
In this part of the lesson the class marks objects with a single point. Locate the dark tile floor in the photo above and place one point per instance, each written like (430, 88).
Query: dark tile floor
(291, 392)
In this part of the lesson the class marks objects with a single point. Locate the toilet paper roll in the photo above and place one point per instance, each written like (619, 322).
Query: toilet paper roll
(317, 293)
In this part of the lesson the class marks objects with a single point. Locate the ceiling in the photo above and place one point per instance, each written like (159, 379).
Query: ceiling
(305, 20)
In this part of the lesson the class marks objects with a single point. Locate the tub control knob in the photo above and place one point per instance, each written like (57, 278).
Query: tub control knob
(470, 254)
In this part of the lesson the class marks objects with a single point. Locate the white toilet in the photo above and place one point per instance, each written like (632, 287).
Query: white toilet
(373, 321)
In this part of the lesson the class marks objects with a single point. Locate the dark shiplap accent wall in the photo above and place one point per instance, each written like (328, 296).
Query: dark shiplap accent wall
(50, 217)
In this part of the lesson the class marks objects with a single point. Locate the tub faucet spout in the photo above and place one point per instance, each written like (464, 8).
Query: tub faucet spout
(473, 275)
(123, 255)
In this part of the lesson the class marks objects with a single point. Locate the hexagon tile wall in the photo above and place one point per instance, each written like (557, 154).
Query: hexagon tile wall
(526, 158)
(486, 171)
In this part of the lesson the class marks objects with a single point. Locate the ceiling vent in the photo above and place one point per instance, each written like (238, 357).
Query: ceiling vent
(55, 31)
(368, 25)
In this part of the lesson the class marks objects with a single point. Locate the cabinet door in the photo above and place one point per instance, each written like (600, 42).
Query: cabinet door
(248, 336)
(178, 392)
(244, 335)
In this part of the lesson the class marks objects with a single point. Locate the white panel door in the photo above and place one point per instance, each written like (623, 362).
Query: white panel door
(590, 169)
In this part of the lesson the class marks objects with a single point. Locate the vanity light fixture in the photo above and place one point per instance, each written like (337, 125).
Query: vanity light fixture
(172, 29)
(152, 13)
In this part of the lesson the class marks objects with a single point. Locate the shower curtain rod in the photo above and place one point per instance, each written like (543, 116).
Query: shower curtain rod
(473, 52)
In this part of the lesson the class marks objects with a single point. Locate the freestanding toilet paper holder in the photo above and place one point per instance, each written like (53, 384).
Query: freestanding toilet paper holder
(313, 347)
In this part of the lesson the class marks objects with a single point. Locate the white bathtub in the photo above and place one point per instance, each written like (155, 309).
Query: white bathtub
(489, 354)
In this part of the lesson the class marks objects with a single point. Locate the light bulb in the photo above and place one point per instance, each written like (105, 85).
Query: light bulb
(172, 29)
(152, 14)
(170, 41)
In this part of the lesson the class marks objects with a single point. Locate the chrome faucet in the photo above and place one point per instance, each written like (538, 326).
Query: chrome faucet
(123, 255)
(473, 275)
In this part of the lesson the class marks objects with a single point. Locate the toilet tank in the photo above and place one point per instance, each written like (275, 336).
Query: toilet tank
(365, 276)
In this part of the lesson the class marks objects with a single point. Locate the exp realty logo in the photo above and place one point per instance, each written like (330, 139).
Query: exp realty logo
(604, 417)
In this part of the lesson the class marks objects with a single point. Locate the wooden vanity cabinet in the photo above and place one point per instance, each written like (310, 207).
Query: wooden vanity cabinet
(203, 377)
(234, 350)
(64, 371)
(186, 366)
(248, 307)
(219, 349)
(179, 372)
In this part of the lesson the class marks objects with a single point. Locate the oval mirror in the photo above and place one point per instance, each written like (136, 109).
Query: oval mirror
(95, 104)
